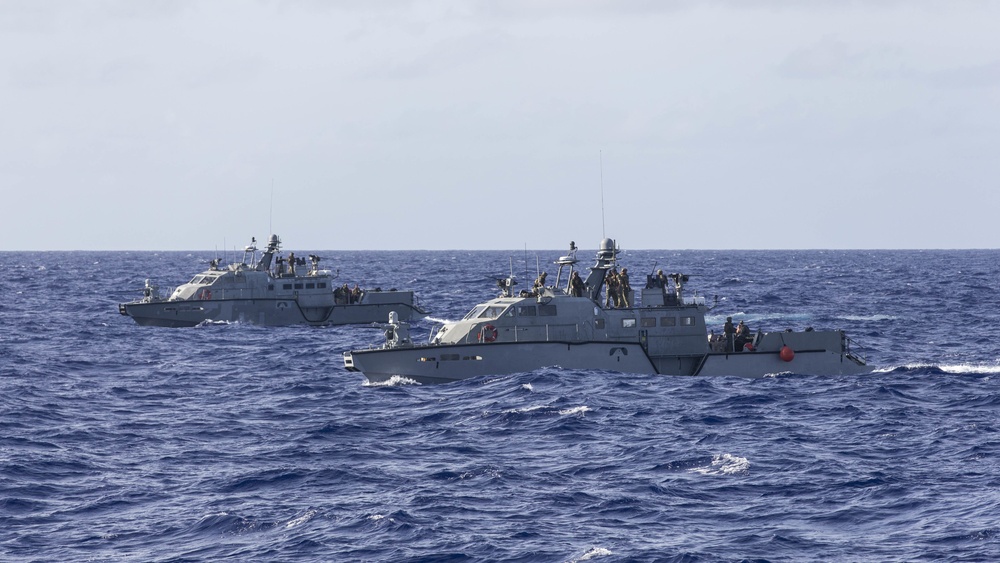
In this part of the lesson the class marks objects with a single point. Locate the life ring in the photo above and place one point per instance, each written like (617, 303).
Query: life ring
(488, 333)
(206, 294)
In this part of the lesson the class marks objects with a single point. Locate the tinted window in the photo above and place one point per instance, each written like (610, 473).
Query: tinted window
(649, 321)
(668, 321)
(687, 321)
(628, 323)
(492, 312)
(475, 311)
(526, 311)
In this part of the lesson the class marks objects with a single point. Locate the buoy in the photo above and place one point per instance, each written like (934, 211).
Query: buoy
(786, 353)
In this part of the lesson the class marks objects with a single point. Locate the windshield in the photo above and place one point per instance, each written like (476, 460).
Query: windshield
(493, 312)
(475, 311)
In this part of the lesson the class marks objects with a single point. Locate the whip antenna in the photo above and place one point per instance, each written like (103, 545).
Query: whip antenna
(603, 233)
(270, 216)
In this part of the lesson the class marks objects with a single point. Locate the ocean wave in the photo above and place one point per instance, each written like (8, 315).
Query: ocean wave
(593, 553)
(724, 464)
(239, 442)
(868, 318)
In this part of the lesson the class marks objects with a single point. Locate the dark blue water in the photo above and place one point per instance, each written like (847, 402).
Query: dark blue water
(233, 442)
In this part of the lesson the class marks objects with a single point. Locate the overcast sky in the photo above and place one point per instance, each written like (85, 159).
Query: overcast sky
(163, 125)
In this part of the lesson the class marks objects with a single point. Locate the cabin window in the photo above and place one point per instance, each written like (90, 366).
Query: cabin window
(546, 310)
(298, 286)
(648, 321)
(687, 321)
(475, 311)
(449, 357)
(599, 323)
(668, 321)
(270, 287)
(286, 286)
(310, 286)
(321, 285)
(628, 323)
(492, 312)
(526, 311)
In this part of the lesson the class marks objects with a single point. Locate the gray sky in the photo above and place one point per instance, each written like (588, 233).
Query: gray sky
(162, 125)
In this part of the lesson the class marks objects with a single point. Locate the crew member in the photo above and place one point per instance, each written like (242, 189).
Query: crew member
(612, 283)
(539, 283)
(730, 332)
(624, 288)
(661, 279)
(576, 285)
(742, 334)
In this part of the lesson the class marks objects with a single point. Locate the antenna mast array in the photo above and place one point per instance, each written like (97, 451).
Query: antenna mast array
(603, 233)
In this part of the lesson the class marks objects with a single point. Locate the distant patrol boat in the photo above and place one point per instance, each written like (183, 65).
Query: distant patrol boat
(251, 292)
(550, 326)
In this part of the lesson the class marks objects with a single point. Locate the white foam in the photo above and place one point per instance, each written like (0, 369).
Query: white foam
(528, 387)
(575, 410)
(392, 382)
(724, 464)
(969, 368)
(301, 519)
(437, 320)
(523, 410)
(869, 317)
(594, 552)
(947, 368)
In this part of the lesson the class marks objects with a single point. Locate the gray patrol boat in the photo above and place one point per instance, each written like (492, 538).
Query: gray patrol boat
(253, 292)
(550, 326)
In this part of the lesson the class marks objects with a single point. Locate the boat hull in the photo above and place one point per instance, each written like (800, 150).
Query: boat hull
(264, 312)
(447, 363)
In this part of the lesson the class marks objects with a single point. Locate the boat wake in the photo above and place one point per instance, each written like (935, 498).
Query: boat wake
(956, 369)
(436, 320)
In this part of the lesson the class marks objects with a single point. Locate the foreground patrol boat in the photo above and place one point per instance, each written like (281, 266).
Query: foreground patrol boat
(665, 334)
(253, 292)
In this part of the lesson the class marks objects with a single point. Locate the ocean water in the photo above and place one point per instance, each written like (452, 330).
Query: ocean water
(234, 442)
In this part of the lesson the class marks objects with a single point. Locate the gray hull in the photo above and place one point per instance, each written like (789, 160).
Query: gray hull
(446, 363)
(265, 312)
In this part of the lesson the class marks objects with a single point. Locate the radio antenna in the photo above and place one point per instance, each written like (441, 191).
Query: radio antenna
(603, 232)
(270, 217)
(526, 260)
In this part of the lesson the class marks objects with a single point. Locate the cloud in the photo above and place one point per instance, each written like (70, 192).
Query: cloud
(829, 58)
